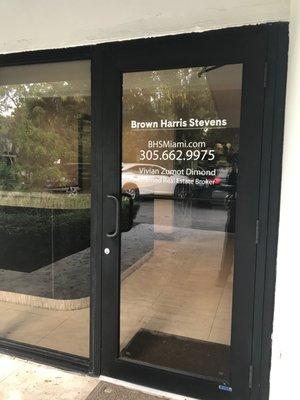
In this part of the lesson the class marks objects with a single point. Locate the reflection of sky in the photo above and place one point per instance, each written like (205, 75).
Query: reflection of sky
(7, 104)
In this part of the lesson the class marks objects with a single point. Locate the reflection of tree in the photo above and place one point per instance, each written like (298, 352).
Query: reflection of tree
(170, 94)
(167, 94)
(41, 124)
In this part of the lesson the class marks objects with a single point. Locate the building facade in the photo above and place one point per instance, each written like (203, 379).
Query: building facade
(148, 191)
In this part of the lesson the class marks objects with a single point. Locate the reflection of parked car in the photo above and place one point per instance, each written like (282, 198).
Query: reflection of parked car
(70, 188)
(217, 189)
(151, 179)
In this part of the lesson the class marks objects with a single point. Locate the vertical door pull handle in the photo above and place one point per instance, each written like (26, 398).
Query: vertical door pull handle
(116, 232)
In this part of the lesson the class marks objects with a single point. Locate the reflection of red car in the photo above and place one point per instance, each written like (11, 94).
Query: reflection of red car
(216, 188)
(217, 181)
(204, 178)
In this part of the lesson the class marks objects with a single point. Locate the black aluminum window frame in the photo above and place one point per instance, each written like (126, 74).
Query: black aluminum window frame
(270, 183)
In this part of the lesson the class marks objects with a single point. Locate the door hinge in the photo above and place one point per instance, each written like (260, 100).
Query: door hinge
(250, 376)
(257, 232)
(265, 75)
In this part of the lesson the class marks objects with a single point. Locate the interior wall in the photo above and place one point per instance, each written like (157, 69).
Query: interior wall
(44, 24)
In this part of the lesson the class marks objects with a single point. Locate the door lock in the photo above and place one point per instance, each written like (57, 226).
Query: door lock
(106, 250)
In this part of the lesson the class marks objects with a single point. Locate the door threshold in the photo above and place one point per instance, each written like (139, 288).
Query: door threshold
(144, 389)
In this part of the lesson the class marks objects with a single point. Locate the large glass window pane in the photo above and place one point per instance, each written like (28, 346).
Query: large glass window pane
(180, 142)
(45, 182)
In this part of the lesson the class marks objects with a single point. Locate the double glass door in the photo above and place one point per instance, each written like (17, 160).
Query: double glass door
(181, 139)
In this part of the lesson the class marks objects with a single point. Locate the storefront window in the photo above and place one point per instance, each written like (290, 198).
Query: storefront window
(45, 187)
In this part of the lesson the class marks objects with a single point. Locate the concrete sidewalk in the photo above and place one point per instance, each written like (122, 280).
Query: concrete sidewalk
(27, 380)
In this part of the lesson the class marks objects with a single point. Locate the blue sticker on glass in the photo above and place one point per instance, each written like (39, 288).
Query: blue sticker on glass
(225, 388)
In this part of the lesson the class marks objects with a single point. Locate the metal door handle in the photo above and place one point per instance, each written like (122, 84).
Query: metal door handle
(116, 232)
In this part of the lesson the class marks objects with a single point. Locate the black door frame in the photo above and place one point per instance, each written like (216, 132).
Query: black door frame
(276, 36)
(258, 48)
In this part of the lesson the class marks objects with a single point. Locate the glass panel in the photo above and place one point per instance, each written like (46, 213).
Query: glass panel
(180, 145)
(45, 179)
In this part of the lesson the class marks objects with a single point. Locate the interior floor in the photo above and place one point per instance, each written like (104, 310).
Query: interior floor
(66, 331)
(182, 286)
(180, 289)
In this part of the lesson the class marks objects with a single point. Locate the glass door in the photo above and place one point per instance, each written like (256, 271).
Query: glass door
(180, 186)
(180, 152)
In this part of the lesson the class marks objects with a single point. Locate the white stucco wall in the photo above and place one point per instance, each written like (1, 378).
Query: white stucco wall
(286, 333)
(43, 24)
